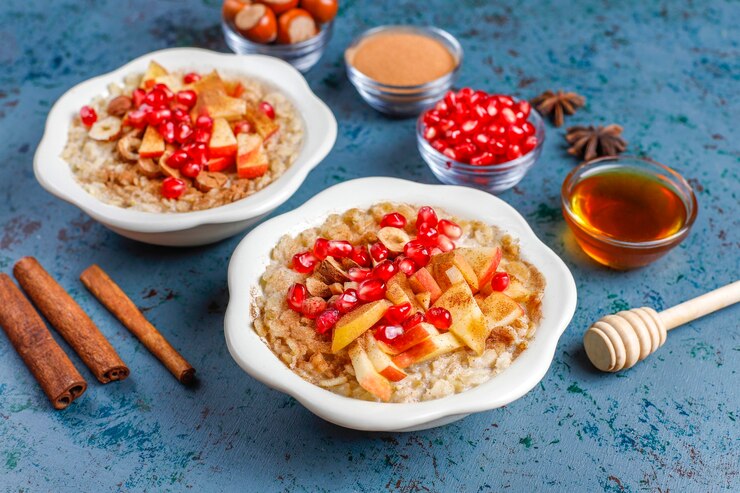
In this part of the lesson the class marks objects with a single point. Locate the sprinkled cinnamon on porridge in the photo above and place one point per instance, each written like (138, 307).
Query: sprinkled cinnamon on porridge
(398, 303)
(177, 142)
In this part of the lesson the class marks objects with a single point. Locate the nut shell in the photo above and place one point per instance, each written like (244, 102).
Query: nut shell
(296, 25)
(107, 129)
(280, 6)
(257, 23)
(322, 11)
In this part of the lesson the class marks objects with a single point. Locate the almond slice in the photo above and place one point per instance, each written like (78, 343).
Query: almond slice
(128, 146)
(394, 239)
(208, 180)
(148, 167)
(107, 129)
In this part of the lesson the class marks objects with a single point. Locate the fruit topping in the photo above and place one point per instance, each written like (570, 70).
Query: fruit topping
(393, 220)
(88, 116)
(172, 188)
(500, 281)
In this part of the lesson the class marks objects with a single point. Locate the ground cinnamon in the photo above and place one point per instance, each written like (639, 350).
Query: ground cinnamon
(68, 318)
(120, 305)
(55, 373)
(402, 58)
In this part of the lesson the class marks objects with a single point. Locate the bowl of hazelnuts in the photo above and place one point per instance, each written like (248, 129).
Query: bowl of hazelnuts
(296, 31)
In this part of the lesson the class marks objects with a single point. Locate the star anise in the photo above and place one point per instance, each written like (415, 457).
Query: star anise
(558, 104)
(592, 142)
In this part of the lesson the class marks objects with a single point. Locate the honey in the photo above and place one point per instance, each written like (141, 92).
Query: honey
(620, 215)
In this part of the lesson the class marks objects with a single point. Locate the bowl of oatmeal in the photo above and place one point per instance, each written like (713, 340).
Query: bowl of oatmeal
(184, 146)
(387, 305)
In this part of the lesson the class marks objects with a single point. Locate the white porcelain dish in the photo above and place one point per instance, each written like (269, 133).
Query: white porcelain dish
(199, 227)
(253, 254)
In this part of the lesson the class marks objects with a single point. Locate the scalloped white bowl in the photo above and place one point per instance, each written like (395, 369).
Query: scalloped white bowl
(199, 227)
(252, 256)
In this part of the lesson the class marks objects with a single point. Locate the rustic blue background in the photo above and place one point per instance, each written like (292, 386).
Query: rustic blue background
(667, 71)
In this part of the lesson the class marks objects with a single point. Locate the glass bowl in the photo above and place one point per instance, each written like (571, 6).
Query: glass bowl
(404, 101)
(302, 56)
(609, 250)
(494, 178)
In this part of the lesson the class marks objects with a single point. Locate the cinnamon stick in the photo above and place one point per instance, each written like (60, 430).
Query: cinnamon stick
(120, 305)
(68, 318)
(59, 379)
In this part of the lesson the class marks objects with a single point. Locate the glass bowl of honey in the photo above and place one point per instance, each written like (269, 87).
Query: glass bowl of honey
(626, 212)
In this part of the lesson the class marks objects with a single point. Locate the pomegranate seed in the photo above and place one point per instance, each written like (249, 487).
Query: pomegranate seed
(201, 135)
(394, 220)
(172, 188)
(432, 117)
(184, 132)
(88, 116)
(482, 139)
(242, 127)
(439, 145)
(508, 116)
(312, 307)
(450, 99)
(346, 301)
(505, 101)
(371, 290)
(158, 116)
(529, 144)
(167, 131)
(500, 281)
(513, 152)
(483, 159)
(361, 256)
(439, 317)
(413, 320)
(523, 110)
(321, 248)
(454, 136)
(204, 122)
(167, 94)
(427, 235)
(379, 251)
(155, 99)
(304, 262)
(450, 229)
(296, 294)
(465, 150)
(406, 265)
(339, 248)
(180, 116)
(137, 118)
(417, 252)
(498, 147)
(191, 169)
(198, 152)
(444, 243)
(177, 159)
(442, 107)
(492, 108)
(359, 274)
(187, 98)
(480, 111)
(469, 126)
(430, 133)
(385, 270)
(398, 313)
(138, 97)
(465, 93)
(515, 133)
(387, 333)
(446, 124)
(190, 78)
(426, 215)
(327, 320)
(496, 130)
(267, 109)
(528, 129)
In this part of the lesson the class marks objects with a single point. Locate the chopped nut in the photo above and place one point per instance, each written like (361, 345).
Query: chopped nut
(107, 129)
(394, 239)
(208, 180)
(330, 271)
(119, 105)
(315, 286)
(128, 146)
(149, 168)
(336, 288)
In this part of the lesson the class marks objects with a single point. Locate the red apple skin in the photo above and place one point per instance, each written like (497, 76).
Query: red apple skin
(487, 275)
(410, 338)
(408, 358)
(221, 163)
(393, 374)
(422, 280)
(226, 151)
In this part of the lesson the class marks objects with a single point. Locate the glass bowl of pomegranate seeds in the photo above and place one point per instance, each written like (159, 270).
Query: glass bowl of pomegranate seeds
(481, 140)
(296, 32)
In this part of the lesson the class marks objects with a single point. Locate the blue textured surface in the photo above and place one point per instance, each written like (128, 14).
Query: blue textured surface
(668, 72)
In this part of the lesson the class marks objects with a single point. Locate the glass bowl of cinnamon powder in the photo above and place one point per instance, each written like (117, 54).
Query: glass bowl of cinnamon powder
(402, 70)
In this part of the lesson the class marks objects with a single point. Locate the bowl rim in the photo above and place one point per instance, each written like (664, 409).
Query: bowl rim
(654, 168)
(316, 41)
(358, 78)
(252, 255)
(488, 169)
(320, 132)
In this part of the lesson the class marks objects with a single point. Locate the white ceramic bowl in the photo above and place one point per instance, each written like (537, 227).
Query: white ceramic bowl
(252, 354)
(188, 228)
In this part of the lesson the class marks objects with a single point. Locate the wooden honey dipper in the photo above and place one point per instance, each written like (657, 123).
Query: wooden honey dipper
(619, 341)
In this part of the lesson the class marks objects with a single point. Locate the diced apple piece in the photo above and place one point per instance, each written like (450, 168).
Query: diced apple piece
(210, 82)
(517, 291)
(483, 260)
(263, 125)
(221, 163)
(172, 81)
(428, 349)
(219, 105)
(152, 145)
(468, 322)
(440, 265)
(353, 324)
(368, 378)
(398, 290)
(382, 362)
(251, 158)
(153, 71)
(424, 299)
(223, 140)
(409, 338)
(422, 280)
(500, 310)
